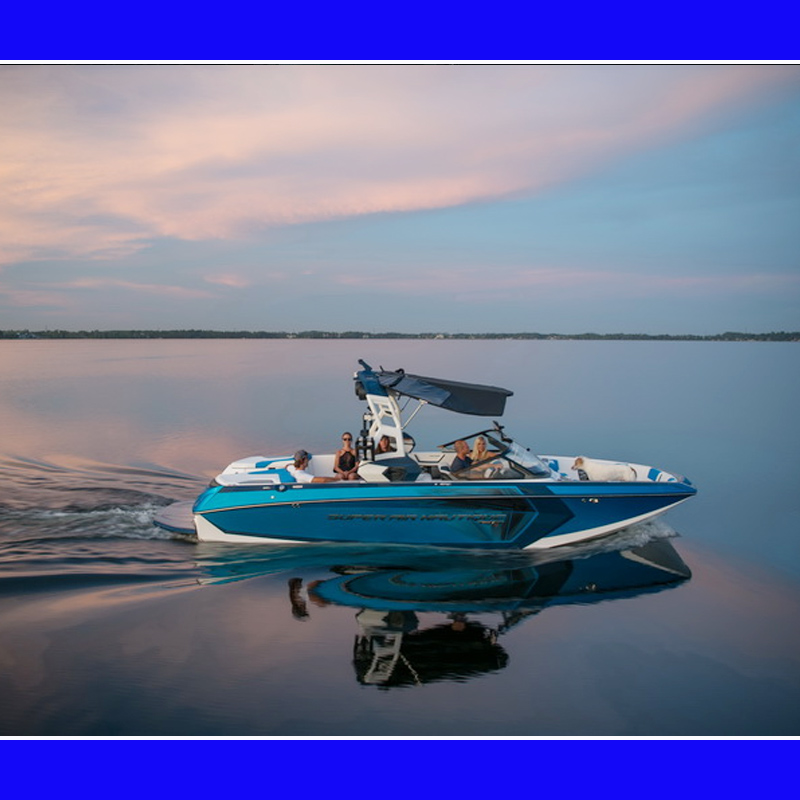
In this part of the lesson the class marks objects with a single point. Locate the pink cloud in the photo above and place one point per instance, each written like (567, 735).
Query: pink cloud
(203, 152)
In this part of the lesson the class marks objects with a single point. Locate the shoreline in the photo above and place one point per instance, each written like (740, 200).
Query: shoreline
(729, 336)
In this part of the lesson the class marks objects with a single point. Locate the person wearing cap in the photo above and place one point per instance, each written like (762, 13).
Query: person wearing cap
(301, 474)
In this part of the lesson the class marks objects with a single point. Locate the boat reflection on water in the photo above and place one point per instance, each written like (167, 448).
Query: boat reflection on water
(392, 650)
(426, 616)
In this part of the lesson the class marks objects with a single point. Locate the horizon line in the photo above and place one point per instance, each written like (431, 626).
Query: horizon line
(200, 333)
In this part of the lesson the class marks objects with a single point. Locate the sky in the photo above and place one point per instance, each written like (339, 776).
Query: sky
(472, 198)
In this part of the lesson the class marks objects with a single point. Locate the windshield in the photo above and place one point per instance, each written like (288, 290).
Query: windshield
(520, 456)
(525, 458)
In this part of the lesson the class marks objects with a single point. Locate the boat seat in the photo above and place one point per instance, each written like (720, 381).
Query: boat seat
(389, 470)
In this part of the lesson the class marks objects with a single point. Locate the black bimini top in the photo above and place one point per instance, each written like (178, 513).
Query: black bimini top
(463, 398)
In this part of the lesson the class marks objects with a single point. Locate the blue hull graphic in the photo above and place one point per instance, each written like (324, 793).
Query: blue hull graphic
(491, 515)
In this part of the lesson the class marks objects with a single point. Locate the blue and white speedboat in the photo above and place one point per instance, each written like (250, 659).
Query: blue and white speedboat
(511, 500)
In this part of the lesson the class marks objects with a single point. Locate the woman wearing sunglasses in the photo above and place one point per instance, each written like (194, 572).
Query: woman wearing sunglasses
(345, 464)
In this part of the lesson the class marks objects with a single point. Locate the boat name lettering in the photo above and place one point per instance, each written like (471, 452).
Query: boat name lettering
(483, 519)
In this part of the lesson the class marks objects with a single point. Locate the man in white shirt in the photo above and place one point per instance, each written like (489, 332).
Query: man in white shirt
(300, 473)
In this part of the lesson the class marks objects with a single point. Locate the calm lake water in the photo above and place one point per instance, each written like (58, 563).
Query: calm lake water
(112, 627)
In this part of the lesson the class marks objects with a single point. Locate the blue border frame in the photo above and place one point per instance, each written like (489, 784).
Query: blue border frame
(603, 768)
(593, 32)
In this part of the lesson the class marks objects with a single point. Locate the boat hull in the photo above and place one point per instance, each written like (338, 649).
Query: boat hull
(491, 515)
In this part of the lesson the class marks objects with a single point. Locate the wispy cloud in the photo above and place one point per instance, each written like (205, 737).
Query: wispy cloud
(159, 289)
(490, 283)
(23, 297)
(96, 161)
(232, 281)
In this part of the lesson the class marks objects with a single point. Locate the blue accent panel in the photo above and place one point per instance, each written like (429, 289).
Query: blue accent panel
(205, 498)
(283, 475)
(653, 474)
(266, 463)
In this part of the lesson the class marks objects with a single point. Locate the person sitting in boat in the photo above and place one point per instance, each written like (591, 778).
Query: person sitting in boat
(463, 460)
(384, 446)
(345, 464)
(479, 451)
(300, 473)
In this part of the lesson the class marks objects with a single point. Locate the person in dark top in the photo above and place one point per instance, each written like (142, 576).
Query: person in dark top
(345, 465)
(462, 459)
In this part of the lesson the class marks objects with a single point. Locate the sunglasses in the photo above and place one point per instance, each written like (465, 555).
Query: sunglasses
(347, 438)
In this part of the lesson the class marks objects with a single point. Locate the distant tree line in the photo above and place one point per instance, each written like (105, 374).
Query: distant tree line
(192, 333)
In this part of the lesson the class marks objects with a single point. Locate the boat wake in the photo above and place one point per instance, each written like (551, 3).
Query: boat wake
(88, 527)
(56, 500)
(130, 521)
